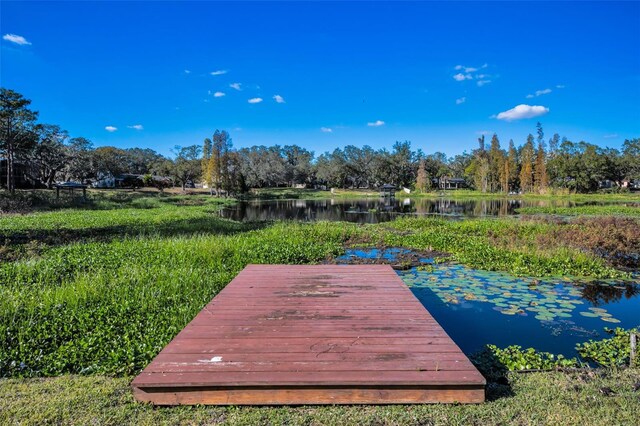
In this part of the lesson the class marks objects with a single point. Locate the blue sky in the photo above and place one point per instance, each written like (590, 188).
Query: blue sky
(437, 74)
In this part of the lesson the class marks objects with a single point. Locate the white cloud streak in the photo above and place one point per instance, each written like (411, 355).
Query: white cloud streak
(17, 39)
(376, 123)
(236, 86)
(481, 83)
(279, 99)
(111, 129)
(187, 71)
(461, 100)
(255, 100)
(522, 111)
(326, 129)
(611, 136)
(218, 72)
(539, 93)
(136, 127)
(219, 94)
(466, 69)
(462, 77)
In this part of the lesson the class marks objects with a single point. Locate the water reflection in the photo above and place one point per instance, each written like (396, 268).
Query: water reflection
(375, 210)
(603, 293)
(479, 307)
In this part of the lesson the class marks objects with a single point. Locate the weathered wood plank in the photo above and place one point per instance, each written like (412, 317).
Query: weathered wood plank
(309, 334)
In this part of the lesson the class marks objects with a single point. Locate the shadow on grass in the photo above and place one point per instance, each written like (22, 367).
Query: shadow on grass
(495, 372)
(14, 242)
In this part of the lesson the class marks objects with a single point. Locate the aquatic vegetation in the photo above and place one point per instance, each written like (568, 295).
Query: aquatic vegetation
(545, 300)
(632, 209)
(493, 362)
(611, 352)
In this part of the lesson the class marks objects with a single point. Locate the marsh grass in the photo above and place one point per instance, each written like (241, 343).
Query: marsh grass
(625, 209)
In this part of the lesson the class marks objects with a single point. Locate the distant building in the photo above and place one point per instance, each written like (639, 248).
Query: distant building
(445, 182)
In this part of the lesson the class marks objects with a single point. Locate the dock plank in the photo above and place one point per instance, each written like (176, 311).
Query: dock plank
(311, 334)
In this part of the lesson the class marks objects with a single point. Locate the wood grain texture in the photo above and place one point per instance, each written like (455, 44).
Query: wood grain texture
(311, 334)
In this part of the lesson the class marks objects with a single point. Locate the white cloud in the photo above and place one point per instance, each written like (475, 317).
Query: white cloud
(539, 93)
(218, 72)
(236, 86)
(611, 136)
(187, 71)
(462, 77)
(469, 73)
(461, 100)
(219, 94)
(136, 127)
(484, 132)
(466, 69)
(255, 100)
(326, 129)
(14, 38)
(560, 86)
(522, 111)
(376, 123)
(279, 99)
(111, 129)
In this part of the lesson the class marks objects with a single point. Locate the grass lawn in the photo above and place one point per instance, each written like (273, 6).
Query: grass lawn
(591, 398)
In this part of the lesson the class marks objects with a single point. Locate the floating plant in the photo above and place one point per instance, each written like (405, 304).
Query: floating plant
(545, 300)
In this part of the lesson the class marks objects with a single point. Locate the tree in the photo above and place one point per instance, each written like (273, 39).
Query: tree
(402, 167)
(496, 165)
(207, 164)
(509, 168)
(187, 165)
(79, 165)
(526, 170)
(423, 181)
(219, 161)
(50, 155)
(17, 134)
(297, 164)
(479, 168)
(631, 159)
(540, 181)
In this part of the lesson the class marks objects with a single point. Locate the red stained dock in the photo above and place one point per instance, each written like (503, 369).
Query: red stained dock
(311, 334)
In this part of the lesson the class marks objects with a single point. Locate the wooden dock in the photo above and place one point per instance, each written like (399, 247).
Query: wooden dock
(311, 334)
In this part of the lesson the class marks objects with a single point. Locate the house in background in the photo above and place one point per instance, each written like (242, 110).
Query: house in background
(445, 182)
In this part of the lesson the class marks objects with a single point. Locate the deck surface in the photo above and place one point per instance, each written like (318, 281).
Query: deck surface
(311, 334)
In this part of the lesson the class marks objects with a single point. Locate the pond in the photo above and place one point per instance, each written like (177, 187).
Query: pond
(481, 307)
(375, 210)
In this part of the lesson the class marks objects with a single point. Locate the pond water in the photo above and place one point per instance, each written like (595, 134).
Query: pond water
(374, 210)
(481, 307)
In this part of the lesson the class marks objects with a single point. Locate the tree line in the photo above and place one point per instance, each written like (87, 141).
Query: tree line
(45, 154)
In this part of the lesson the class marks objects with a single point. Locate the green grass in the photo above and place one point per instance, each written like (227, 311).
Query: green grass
(589, 210)
(529, 399)
(99, 288)
(507, 244)
(109, 306)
